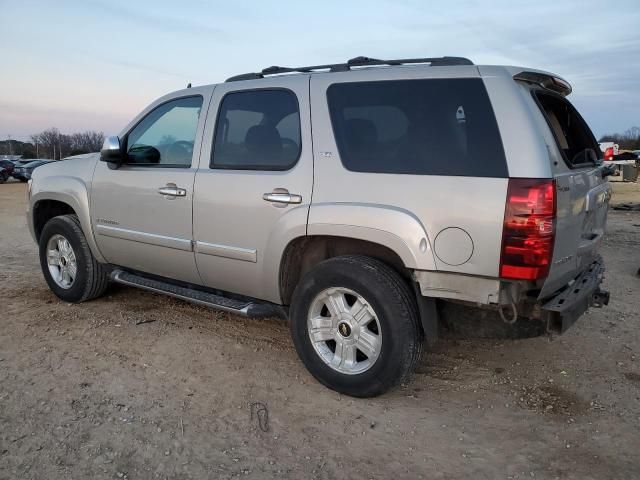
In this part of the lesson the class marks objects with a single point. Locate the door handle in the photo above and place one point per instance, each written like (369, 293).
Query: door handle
(172, 191)
(282, 197)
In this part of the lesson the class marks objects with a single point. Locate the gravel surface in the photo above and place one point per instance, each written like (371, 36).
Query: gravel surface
(136, 385)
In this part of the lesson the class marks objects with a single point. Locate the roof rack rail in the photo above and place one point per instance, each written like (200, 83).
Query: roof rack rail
(354, 62)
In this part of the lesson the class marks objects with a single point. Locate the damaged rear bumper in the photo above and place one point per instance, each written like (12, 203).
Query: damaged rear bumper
(562, 310)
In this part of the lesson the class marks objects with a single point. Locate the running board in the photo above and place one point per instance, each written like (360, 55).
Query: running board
(246, 308)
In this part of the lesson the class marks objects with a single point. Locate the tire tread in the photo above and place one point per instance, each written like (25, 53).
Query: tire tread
(399, 298)
(97, 273)
(407, 302)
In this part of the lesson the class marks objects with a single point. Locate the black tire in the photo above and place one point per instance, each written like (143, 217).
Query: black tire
(92, 278)
(4, 176)
(24, 180)
(396, 310)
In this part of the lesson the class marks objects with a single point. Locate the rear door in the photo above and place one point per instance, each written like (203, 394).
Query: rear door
(582, 194)
(253, 187)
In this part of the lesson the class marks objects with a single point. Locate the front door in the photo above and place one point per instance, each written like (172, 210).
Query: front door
(253, 188)
(141, 212)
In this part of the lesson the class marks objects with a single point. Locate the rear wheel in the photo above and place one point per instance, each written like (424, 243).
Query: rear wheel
(69, 267)
(4, 176)
(355, 325)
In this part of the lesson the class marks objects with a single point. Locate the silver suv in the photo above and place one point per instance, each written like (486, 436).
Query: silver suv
(354, 199)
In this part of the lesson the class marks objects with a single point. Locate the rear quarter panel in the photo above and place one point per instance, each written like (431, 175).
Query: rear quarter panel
(400, 210)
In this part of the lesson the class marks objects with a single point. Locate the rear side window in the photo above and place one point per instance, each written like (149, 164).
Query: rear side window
(573, 136)
(257, 130)
(422, 127)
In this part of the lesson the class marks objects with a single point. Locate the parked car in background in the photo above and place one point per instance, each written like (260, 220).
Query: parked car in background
(24, 172)
(8, 166)
(23, 162)
(610, 149)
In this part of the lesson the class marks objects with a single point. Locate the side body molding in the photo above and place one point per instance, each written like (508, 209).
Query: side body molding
(390, 226)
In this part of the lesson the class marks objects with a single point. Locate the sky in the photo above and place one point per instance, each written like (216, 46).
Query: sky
(94, 64)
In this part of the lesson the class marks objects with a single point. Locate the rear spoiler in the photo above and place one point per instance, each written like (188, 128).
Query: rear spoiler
(544, 80)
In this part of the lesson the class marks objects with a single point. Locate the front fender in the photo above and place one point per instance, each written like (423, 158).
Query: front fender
(66, 189)
(393, 227)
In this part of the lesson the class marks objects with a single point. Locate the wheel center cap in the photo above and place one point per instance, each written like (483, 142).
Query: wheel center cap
(344, 329)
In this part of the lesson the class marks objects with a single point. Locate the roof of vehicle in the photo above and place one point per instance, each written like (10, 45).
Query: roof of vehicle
(467, 68)
(353, 63)
(542, 78)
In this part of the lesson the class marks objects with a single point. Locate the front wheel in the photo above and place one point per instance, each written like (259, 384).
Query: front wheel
(69, 267)
(355, 325)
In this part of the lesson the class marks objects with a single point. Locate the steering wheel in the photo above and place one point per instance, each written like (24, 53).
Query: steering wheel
(185, 144)
(179, 152)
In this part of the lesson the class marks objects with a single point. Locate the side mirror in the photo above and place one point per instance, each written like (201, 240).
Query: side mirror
(143, 155)
(111, 151)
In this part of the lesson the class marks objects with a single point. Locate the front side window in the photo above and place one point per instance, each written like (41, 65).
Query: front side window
(165, 137)
(257, 130)
(420, 127)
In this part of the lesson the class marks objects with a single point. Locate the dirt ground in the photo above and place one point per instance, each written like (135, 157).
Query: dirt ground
(136, 385)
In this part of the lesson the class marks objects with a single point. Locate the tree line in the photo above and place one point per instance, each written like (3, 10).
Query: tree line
(629, 140)
(54, 145)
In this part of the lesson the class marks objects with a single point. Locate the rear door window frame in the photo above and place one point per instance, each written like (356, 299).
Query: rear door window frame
(284, 168)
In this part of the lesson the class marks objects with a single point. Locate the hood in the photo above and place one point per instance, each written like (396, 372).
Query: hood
(78, 166)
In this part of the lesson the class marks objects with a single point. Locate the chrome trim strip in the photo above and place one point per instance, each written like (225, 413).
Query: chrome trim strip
(236, 253)
(115, 276)
(142, 237)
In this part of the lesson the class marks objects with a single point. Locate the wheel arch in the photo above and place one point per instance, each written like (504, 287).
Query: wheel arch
(44, 210)
(66, 201)
(303, 253)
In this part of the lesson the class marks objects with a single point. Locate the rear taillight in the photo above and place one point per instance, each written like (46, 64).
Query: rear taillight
(529, 229)
(608, 154)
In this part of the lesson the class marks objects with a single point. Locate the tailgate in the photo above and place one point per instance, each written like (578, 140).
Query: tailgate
(582, 194)
(582, 199)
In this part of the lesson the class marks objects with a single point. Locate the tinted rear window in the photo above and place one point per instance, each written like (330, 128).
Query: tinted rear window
(423, 127)
(258, 130)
